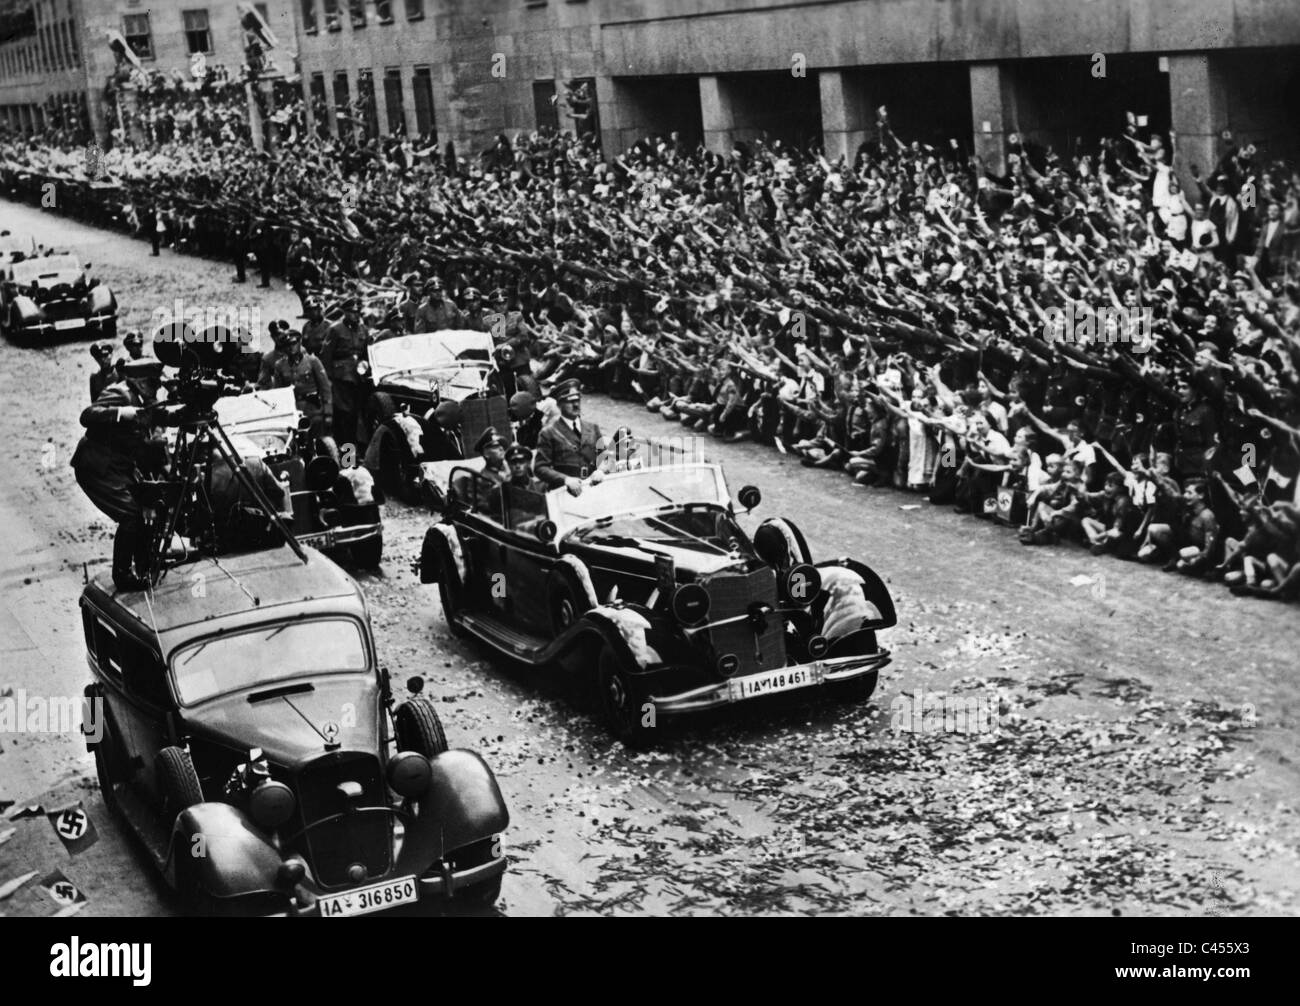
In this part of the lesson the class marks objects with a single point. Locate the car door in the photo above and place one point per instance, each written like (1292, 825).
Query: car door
(526, 558)
(103, 645)
(150, 704)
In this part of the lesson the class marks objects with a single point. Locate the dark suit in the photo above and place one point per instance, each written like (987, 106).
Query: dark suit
(1270, 248)
(105, 463)
(529, 430)
(561, 454)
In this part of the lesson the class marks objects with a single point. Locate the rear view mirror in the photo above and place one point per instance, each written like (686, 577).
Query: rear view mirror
(749, 497)
(546, 531)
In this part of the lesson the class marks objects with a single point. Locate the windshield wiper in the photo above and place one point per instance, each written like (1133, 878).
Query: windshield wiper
(275, 693)
(199, 649)
(662, 496)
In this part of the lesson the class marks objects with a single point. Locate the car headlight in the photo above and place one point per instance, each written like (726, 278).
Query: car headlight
(409, 773)
(363, 368)
(271, 804)
(690, 603)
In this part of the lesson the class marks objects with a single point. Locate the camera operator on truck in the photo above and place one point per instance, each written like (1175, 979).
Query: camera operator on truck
(108, 461)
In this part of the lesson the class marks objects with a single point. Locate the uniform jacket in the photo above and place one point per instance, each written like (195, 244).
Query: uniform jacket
(561, 454)
(306, 375)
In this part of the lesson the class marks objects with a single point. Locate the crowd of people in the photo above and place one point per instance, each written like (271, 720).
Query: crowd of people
(909, 317)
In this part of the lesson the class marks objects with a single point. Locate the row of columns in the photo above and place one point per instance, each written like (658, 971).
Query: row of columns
(1200, 97)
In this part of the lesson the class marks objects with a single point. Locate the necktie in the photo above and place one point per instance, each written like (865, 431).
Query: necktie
(577, 430)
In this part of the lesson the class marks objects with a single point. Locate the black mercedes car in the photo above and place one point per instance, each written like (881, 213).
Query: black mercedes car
(243, 730)
(646, 584)
(50, 295)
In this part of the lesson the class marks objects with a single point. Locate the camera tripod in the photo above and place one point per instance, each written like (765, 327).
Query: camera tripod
(196, 438)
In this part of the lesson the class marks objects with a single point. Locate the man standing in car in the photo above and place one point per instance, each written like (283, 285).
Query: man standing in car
(566, 449)
(345, 342)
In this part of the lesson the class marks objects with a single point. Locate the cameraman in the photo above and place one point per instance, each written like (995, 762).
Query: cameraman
(108, 460)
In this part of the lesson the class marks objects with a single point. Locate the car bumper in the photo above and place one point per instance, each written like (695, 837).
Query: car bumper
(94, 323)
(431, 887)
(829, 671)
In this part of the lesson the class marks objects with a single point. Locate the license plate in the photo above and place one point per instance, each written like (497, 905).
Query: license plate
(66, 323)
(375, 898)
(323, 541)
(770, 682)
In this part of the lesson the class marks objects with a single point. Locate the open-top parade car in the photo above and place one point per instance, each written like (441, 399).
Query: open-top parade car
(53, 294)
(252, 743)
(646, 583)
(331, 515)
(409, 375)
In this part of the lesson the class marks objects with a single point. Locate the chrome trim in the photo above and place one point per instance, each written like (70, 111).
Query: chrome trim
(726, 692)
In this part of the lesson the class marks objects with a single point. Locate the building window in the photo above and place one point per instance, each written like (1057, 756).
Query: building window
(384, 11)
(414, 10)
(366, 99)
(393, 100)
(320, 108)
(197, 35)
(332, 21)
(135, 29)
(72, 41)
(422, 86)
(357, 8)
(309, 16)
(342, 103)
(544, 109)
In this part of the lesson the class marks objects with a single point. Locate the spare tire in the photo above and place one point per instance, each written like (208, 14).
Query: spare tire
(177, 781)
(418, 728)
(781, 544)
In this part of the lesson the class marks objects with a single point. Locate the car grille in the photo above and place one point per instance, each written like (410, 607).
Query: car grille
(362, 838)
(57, 309)
(730, 594)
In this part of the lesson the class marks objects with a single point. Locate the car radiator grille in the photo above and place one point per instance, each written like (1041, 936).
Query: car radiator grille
(362, 838)
(731, 594)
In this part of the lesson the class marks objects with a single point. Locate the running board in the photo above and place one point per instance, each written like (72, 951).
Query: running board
(512, 642)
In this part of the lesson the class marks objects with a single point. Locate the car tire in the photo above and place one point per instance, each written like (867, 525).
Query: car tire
(619, 700)
(858, 689)
(565, 600)
(177, 781)
(772, 542)
(368, 553)
(417, 728)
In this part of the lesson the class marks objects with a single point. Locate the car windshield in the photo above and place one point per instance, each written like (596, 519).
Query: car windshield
(626, 492)
(703, 529)
(50, 265)
(267, 654)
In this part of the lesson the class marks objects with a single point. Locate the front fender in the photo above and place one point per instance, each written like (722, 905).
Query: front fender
(225, 853)
(873, 589)
(463, 805)
(438, 536)
(631, 628)
(27, 310)
(101, 300)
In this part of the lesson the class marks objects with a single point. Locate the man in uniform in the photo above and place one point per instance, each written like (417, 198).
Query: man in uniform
(1196, 429)
(241, 228)
(107, 462)
(435, 311)
(520, 461)
(345, 342)
(566, 449)
(311, 387)
(266, 369)
(297, 264)
(316, 327)
(106, 374)
(493, 448)
(238, 520)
